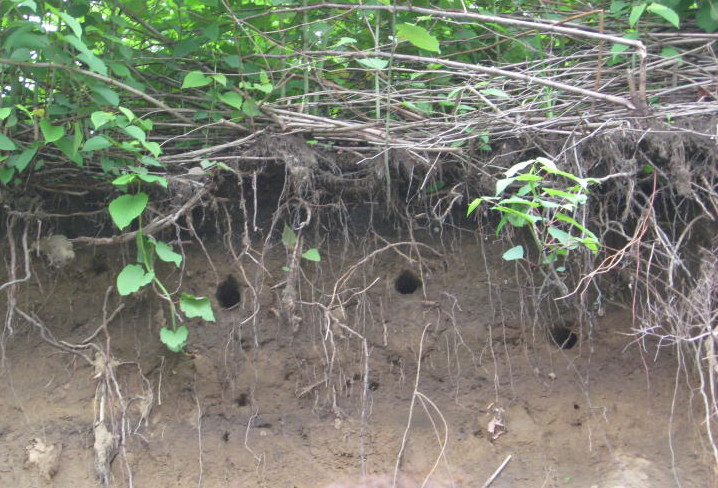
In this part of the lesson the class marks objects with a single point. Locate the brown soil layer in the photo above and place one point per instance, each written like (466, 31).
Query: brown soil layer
(254, 403)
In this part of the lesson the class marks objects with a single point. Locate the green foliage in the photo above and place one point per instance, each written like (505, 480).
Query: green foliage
(196, 307)
(540, 197)
(418, 36)
(132, 278)
(289, 239)
(84, 84)
(174, 339)
(124, 210)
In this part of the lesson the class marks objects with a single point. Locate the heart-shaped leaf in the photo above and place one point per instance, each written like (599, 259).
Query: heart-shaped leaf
(50, 132)
(126, 208)
(233, 99)
(100, 118)
(132, 278)
(312, 255)
(175, 340)
(195, 79)
(514, 253)
(193, 306)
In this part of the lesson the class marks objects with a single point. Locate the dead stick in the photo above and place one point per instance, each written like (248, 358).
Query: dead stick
(497, 472)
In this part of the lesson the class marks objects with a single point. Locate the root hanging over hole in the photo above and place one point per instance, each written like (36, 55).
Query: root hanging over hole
(228, 294)
(563, 337)
(407, 283)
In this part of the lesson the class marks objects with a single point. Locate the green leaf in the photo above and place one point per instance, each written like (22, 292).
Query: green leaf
(50, 132)
(22, 160)
(125, 179)
(6, 174)
(250, 108)
(193, 306)
(67, 146)
(516, 200)
(132, 278)
(560, 235)
(344, 41)
(289, 238)
(5, 112)
(233, 99)
(148, 161)
(128, 113)
(667, 13)
(126, 208)
(93, 62)
(152, 147)
(547, 164)
(434, 187)
(186, 46)
(165, 253)
(495, 92)
(591, 244)
(6, 144)
(513, 254)
(374, 63)
(707, 16)
(211, 31)
(195, 79)
(526, 189)
(220, 78)
(136, 133)
(528, 177)
(72, 23)
(518, 167)
(520, 219)
(29, 4)
(161, 180)
(573, 198)
(570, 220)
(418, 36)
(636, 13)
(96, 143)
(106, 94)
(175, 340)
(101, 118)
(312, 255)
(119, 69)
(501, 185)
(669, 52)
(473, 206)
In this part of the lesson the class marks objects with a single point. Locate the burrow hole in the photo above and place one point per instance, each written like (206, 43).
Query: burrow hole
(407, 283)
(564, 337)
(228, 294)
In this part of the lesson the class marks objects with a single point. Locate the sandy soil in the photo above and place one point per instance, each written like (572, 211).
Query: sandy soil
(442, 385)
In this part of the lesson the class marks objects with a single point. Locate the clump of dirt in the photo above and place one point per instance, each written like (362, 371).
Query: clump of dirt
(445, 384)
(44, 458)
